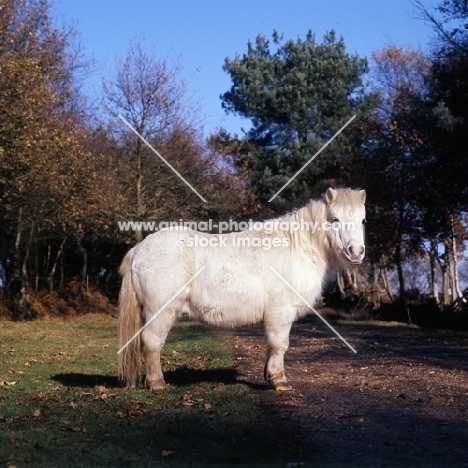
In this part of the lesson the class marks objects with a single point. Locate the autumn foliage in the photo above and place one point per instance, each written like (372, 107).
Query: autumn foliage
(69, 173)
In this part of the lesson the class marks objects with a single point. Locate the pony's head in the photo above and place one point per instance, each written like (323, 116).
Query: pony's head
(346, 217)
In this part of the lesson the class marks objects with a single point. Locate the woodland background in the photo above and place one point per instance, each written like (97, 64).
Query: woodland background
(68, 174)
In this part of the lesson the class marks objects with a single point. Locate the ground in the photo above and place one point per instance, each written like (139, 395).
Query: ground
(401, 400)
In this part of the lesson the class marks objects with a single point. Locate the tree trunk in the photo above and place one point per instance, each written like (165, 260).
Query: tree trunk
(445, 286)
(24, 263)
(375, 275)
(84, 271)
(456, 291)
(401, 281)
(340, 283)
(433, 256)
(17, 283)
(445, 269)
(354, 275)
(54, 266)
(139, 190)
(386, 283)
(62, 276)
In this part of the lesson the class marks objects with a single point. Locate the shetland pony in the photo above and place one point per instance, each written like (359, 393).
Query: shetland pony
(227, 280)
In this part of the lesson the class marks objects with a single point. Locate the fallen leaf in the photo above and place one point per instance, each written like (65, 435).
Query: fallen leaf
(207, 406)
(167, 453)
(9, 383)
(188, 400)
(73, 405)
(36, 413)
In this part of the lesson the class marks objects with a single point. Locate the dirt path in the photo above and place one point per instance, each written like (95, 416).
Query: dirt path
(402, 400)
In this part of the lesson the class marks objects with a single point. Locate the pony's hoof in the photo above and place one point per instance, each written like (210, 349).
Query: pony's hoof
(282, 387)
(156, 385)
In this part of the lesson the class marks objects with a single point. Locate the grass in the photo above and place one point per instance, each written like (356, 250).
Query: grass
(60, 404)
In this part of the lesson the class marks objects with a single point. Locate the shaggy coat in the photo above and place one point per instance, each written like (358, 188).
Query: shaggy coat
(227, 280)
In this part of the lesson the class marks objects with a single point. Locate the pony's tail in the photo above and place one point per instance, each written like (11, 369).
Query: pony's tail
(128, 325)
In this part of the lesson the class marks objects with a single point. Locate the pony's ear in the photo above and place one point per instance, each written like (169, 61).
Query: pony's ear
(330, 196)
(362, 193)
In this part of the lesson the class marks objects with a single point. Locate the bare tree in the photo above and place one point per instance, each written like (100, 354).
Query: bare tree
(151, 95)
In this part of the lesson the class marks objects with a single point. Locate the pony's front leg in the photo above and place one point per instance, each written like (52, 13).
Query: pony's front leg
(277, 335)
(153, 338)
(154, 376)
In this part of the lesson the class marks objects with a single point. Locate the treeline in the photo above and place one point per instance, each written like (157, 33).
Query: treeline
(68, 174)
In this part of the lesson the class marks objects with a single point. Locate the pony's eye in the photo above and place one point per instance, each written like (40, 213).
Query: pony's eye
(335, 220)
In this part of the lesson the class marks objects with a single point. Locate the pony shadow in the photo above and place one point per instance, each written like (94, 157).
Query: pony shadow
(86, 380)
(184, 376)
(180, 377)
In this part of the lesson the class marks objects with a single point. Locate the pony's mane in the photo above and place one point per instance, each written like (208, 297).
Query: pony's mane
(315, 208)
(315, 211)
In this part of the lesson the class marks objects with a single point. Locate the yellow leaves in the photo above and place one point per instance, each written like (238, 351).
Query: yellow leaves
(137, 408)
(398, 54)
(67, 428)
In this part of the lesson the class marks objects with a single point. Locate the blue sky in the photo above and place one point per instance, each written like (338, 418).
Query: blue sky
(205, 32)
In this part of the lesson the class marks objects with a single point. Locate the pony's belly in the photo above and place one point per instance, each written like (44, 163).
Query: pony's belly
(242, 293)
(225, 314)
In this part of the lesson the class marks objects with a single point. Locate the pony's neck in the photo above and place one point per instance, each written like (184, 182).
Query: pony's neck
(314, 215)
(313, 212)
(310, 219)
(307, 226)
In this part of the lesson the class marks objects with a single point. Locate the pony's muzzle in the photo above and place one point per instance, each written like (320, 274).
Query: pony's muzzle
(354, 253)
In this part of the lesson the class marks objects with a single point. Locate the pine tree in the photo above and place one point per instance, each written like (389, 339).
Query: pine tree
(297, 94)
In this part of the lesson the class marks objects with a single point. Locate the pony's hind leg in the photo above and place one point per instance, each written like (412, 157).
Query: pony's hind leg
(277, 335)
(153, 339)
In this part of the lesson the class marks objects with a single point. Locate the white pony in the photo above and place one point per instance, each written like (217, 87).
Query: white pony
(228, 280)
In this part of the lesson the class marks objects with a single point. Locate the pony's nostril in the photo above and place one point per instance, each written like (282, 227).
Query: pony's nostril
(355, 251)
